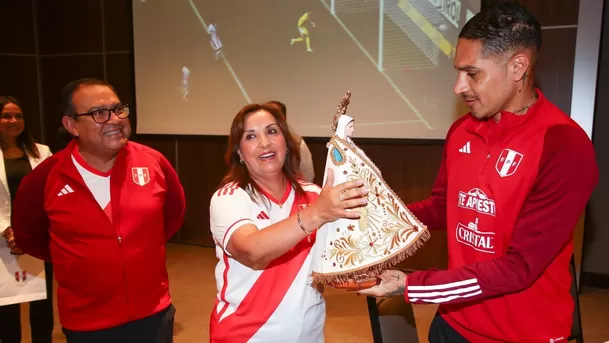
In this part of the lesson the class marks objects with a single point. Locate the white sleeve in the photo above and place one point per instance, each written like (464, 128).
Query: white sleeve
(230, 208)
(44, 151)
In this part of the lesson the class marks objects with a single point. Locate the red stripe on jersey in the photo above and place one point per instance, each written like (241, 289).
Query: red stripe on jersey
(265, 295)
(224, 286)
(228, 189)
(229, 229)
(284, 198)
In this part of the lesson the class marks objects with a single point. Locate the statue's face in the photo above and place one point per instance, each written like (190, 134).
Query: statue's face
(349, 129)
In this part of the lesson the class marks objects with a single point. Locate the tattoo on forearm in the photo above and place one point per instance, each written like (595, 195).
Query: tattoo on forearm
(398, 291)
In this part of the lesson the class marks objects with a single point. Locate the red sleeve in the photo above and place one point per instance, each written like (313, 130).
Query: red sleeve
(29, 219)
(432, 211)
(567, 176)
(175, 201)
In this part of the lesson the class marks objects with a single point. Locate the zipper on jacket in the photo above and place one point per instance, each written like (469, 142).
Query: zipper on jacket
(89, 193)
(488, 152)
(488, 157)
(120, 248)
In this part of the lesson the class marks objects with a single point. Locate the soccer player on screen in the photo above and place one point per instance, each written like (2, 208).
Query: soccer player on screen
(215, 41)
(185, 76)
(304, 32)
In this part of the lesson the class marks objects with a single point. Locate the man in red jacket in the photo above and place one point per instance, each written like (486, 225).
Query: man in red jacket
(102, 210)
(515, 177)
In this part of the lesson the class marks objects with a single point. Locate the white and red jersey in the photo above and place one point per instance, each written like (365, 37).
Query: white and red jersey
(279, 303)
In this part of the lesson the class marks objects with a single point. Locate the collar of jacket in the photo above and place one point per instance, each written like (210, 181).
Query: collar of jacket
(66, 167)
(508, 122)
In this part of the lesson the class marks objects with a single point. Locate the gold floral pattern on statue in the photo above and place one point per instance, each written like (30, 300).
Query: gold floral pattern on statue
(350, 253)
(385, 227)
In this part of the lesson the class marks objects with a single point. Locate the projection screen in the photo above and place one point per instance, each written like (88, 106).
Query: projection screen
(197, 62)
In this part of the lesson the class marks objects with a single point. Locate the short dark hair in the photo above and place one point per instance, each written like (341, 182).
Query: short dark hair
(505, 26)
(279, 105)
(63, 139)
(67, 93)
(24, 140)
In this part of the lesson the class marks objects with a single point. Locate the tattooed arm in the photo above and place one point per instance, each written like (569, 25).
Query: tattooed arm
(392, 283)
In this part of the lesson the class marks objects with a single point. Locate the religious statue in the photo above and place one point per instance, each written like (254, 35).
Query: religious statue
(350, 253)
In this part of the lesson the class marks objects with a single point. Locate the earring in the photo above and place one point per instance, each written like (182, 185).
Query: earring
(242, 161)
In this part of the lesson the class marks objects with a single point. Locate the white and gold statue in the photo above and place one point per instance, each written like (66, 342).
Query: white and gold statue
(350, 253)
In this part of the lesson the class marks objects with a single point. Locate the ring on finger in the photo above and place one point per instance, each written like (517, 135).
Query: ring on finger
(342, 196)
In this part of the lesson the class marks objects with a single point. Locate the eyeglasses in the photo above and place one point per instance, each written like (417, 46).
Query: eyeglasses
(102, 115)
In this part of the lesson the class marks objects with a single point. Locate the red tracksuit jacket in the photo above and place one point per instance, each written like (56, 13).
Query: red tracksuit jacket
(108, 272)
(510, 195)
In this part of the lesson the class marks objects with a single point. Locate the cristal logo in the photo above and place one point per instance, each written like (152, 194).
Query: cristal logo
(476, 200)
(471, 236)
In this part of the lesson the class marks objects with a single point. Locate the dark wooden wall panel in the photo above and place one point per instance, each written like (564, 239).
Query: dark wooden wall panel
(554, 12)
(118, 73)
(117, 25)
(69, 26)
(21, 81)
(18, 17)
(56, 72)
(166, 145)
(555, 67)
(201, 167)
(93, 39)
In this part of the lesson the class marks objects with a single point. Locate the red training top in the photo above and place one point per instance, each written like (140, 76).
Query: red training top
(510, 194)
(109, 265)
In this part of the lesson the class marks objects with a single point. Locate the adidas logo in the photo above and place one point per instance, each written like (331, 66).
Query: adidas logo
(465, 149)
(262, 215)
(65, 190)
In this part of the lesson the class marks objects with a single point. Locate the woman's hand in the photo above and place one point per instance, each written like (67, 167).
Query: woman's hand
(335, 202)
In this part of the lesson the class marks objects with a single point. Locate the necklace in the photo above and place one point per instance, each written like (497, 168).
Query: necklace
(12, 153)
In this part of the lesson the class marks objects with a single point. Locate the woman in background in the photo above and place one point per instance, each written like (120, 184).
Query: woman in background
(263, 219)
(306, 159)
(18, 156)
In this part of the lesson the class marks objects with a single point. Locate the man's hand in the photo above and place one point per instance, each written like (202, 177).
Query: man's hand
(10, 239)
(10, 242)
(392, 283)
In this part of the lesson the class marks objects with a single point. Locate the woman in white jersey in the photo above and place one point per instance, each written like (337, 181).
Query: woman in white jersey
(263, 219)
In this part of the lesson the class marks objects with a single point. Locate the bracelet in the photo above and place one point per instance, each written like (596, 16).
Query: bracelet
(300, 224)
